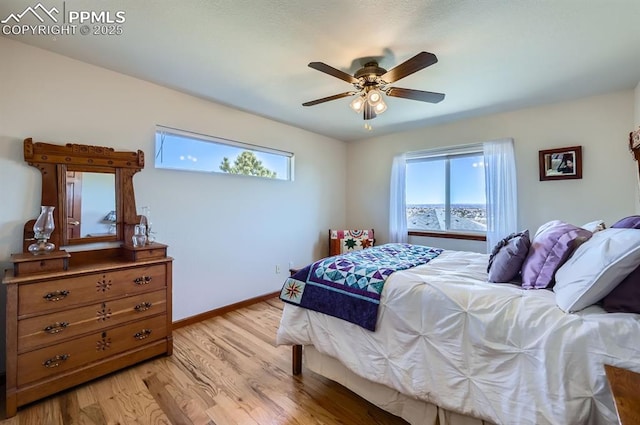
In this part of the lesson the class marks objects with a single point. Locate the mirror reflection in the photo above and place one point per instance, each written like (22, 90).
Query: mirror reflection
(90, 205)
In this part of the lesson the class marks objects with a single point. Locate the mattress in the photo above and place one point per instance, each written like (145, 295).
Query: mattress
(495, 352)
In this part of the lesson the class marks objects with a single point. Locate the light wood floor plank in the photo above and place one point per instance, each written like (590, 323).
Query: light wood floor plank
(167, 403)
(226, 370)
(92, 415)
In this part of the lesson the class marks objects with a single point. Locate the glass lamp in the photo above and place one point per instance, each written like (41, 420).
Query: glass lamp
(42, 230)
(380, 107)
(357, 104)
(374, 97)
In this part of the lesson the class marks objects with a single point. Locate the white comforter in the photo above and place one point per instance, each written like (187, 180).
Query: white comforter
(493, 351)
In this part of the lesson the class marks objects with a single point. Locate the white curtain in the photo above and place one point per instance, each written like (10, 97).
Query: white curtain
(501, 190)
(398, 202)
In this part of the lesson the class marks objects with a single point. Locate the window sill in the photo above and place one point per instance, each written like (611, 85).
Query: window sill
(449, 235)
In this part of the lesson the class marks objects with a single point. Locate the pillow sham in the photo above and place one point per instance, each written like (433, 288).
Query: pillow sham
(624, 298)
(507, 257)
(631, 222)
(596, 268)
(551, 246)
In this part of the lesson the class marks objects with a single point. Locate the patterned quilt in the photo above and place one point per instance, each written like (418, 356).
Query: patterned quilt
(348, 286)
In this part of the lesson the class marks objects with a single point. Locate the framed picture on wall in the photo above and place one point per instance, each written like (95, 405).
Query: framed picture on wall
(561, 163)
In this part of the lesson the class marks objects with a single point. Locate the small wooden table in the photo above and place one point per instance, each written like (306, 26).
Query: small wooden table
(625, 386)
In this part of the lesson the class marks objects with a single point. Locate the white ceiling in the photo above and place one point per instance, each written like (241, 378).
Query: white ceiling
(253, 54)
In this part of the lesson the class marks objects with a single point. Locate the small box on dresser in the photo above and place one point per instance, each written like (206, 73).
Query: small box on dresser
(29, 263)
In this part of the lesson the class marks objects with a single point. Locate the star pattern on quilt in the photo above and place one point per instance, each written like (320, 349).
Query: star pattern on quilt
(350, 243)
(292, 290)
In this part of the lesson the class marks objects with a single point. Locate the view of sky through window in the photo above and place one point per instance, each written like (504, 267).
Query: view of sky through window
(427, 183)
(181, 151)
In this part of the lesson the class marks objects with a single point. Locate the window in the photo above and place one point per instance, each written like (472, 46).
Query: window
(183, 150)
(446, 193)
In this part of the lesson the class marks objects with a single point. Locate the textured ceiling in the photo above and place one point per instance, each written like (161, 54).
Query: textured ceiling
(253, 54)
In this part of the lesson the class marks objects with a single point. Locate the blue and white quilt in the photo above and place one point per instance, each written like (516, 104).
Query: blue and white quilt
(348, 286)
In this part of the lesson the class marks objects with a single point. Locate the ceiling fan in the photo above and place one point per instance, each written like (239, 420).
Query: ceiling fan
(371, 81)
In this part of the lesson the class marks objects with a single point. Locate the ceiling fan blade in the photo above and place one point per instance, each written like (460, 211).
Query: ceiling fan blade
(408, 67)
(323, 67)
(422, 96)
(328, 98)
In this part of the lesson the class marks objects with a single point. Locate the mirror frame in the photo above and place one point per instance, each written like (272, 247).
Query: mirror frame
(53, 161)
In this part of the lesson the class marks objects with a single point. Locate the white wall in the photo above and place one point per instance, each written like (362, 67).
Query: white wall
(226, 233)
(599, 124)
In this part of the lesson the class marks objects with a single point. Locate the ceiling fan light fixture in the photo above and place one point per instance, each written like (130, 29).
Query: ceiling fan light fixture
(357, 104)
(374, 97)
(370, 81)
(380, 107)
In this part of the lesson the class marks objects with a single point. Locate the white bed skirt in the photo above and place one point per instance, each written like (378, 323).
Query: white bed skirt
(414, 411)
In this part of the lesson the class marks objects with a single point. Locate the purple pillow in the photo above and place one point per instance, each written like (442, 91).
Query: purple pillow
(507, 257)
(631, 222)
(551, 246)
(625, 297)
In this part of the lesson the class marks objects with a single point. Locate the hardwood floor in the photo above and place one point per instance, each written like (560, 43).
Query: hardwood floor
(224, 371)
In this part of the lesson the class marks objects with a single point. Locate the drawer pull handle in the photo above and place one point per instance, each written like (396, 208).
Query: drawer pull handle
(56, 295)
(55, 361)
(143, 334)
(56, 327)
(143, 306)
(143, 280)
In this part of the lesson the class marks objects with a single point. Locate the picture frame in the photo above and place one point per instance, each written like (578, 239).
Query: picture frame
(560, 163)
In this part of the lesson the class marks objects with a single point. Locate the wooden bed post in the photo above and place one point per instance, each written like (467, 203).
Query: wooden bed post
(296, 359)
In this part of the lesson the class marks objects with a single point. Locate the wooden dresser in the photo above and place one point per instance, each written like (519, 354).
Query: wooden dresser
(65, 327)
(74, 316)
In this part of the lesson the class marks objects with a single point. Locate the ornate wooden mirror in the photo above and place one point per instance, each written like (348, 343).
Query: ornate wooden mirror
(91, 188)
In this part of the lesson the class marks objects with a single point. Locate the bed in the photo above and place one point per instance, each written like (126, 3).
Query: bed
(450, 347)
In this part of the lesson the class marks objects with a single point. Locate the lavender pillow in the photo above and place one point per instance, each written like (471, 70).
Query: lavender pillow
(631, 222)
(551, 246)
(625, 298)
(507, 257)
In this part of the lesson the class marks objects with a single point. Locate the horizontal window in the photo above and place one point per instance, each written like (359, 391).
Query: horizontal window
(183, 150)
(446, 193)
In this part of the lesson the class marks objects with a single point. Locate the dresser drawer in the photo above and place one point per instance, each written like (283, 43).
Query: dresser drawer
(64, 293)
(55, 327)
(48, 361)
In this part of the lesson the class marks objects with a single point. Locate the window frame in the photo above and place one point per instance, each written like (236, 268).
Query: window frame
(449, 233)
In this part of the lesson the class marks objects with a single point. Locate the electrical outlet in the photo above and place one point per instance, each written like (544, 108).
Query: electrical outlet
(277, 268)
(290, 264)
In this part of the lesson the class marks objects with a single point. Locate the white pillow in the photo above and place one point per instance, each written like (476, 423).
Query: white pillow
(596, 268)
(594, 226)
